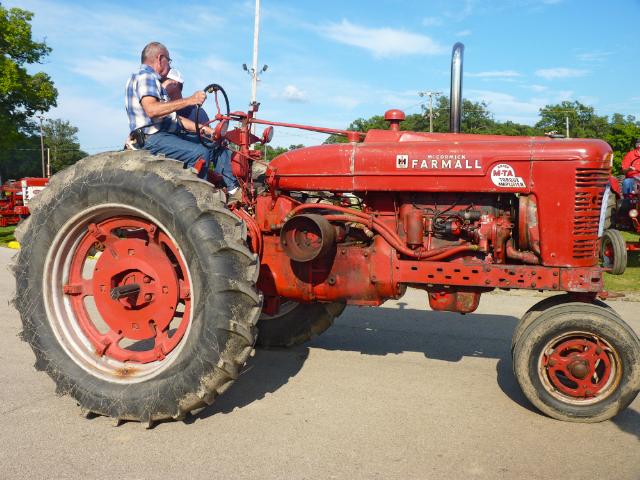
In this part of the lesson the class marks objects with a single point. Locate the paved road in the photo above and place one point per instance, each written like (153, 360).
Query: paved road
(393, 392)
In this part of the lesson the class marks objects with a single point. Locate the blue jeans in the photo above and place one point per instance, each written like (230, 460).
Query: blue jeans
(186, 148)
(629, 184)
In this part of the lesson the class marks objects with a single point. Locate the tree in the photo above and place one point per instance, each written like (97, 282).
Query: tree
(476, 118)
(21, 94)
(271, 152)
(622, 134)
(61, 137)
(583, 121)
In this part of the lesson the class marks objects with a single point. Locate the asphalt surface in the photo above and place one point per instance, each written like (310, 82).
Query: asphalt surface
(391, 392)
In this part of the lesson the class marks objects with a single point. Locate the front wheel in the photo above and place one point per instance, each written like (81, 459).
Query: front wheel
(136, 290)
(578, 363)
(613, 252)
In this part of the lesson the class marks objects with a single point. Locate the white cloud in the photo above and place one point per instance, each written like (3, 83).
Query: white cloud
(105, 70)
(432, 22)
(595, 56)
(537, 88)
(102, 123)
(221, 68)
(560, 72)
(508, 107)
(551, 2)
(495, 74)
(463, 33)
(292, 93)
(382, 42)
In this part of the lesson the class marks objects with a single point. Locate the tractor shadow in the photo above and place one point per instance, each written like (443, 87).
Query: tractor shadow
(380, 331)
(265, 373)
(441, 336)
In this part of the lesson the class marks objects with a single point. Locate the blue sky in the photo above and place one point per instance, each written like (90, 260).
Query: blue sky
(331, 62)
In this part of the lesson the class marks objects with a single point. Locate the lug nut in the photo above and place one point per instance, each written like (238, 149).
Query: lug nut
(146, 279)
(147, 297)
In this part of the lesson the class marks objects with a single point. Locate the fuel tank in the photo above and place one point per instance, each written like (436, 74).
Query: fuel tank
(433, 162)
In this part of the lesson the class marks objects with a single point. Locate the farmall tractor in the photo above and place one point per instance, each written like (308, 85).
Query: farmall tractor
(621, 216)
(143, 293)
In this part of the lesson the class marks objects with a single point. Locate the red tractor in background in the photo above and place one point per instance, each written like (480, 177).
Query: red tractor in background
(143, 293)
(15, 196)
(621, 216)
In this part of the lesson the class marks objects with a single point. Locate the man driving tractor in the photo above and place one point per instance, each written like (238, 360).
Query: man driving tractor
(631, 169)
(157, 127)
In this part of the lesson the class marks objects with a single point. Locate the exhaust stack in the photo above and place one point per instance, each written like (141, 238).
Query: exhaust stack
(455, 113)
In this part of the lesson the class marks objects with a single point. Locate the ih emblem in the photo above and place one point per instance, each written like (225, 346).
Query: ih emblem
(402, 161)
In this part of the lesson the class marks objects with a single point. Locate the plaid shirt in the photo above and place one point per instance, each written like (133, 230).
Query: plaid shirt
(146, 83)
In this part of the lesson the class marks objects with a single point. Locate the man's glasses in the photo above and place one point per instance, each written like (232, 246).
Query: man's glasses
(168, 59)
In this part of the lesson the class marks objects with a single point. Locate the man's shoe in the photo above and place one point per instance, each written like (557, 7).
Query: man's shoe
(234, 197)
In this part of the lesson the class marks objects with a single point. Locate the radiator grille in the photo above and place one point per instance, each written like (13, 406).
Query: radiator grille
(590, 185)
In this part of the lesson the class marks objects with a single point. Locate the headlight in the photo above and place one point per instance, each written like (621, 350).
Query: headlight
(633, 213)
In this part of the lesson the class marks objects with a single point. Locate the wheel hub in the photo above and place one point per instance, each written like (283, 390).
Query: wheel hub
(139, 311)
(579, 367)
(138, 285)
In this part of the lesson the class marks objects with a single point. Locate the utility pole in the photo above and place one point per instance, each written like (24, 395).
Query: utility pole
(567, 123)
(430, 94)
(41, 117)
(256, 34)
(253, 71)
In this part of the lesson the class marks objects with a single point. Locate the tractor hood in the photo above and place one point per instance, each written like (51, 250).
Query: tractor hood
(407, 161)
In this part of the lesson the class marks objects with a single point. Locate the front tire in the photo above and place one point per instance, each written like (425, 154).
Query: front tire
(578, 363)
(613, 252)
(136, 290)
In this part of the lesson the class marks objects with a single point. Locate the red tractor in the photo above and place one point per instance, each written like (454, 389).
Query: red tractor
(621, 216)
(142, 292)
(15, 197)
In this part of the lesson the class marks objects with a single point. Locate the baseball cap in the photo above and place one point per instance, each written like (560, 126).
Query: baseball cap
(175, 74)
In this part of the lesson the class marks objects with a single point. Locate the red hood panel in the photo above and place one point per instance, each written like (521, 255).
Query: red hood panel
(408, 161)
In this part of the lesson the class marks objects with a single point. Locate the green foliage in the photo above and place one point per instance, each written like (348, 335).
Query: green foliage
(61, 137)
(269, 152)
(21, 94)
(622, 134)
(630, 280)
(6, 235)
(583, 121)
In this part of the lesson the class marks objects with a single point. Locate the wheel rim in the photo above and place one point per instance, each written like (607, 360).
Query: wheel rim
(124, 316)
(607, 253)
(580, 368)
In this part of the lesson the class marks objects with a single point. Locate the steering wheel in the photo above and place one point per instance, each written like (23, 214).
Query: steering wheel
(221, 128)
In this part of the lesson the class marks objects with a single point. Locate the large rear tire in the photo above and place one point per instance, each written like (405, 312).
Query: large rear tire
(578, 363)
(163, 320)
(296, 323)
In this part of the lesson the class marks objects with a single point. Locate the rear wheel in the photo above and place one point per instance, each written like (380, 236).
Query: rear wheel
(613, 252)
(578, 363)
(148, 300)
(296, 323)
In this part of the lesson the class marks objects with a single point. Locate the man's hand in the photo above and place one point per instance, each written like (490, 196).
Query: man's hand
(197, 98)
(207, 131)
